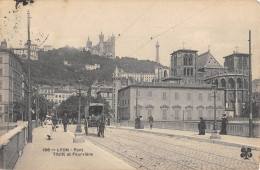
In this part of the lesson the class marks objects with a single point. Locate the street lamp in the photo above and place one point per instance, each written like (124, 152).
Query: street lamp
(78, 133)
(215, 133)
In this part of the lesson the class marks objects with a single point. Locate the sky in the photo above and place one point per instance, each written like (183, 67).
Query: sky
(202, 25)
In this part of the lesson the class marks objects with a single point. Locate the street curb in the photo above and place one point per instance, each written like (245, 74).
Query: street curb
(216, 141)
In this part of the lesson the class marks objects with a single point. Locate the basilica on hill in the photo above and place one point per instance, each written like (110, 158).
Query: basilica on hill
(103, 48)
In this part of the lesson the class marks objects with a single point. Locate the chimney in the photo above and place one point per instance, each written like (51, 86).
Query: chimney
(3, 45)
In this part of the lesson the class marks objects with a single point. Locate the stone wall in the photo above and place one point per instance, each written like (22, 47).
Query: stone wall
(236, 128)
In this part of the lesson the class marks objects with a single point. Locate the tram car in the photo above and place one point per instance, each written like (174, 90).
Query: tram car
(95, 117)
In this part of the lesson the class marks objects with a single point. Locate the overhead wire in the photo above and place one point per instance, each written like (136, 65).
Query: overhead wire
(153, 37)
(133, 23)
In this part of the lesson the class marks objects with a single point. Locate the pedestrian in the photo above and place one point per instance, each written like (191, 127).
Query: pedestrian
(101, 125)
(54, 122)
(202, 126)
(65, 121)
(151, 121)
(48, 126)
(224, 125)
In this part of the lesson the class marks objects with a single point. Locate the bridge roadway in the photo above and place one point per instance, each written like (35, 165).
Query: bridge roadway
(62, 153)
(153, 151)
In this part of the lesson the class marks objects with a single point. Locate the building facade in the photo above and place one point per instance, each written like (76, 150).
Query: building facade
(92, 67)
(98, 87)
(47, 47)
(103, 48)
(10, 85)
(169, 102)
(107, 95)
(189, 67)
(56, 94)
(23, 52)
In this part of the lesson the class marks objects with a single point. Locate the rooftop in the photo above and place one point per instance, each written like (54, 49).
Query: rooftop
(237, 54)
(206, 60)
(172, 85)
(184, 50)
(12, 53)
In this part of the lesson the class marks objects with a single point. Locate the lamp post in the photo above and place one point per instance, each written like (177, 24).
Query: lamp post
(29, 83)
(78, 133)
(215, 133)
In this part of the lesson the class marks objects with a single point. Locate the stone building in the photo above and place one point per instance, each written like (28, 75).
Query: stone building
(234, 78)
(103, 48)
(10, 85)
(171, 102)
(183, 64)
(189, 67)
(47, 48)
(107, 95)
(23, 52)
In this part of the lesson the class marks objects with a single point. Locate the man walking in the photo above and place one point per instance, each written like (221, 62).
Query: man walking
(151, 121)
(65, 121)
(224, 125)
(202, 126)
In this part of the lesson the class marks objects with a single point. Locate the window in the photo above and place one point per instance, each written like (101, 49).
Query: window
(0, 97)
(176, 116)
(1, 84)
(189, 115)
(176, 95)
(200, 97)
(59, 96)
(150, 93)
(209, 96)
(149, 112)
(164, 116)
(1, 72)
(200, 113)
(218, 97)
(1, 108)
(189, 96)
(164, 96)
(1, 61)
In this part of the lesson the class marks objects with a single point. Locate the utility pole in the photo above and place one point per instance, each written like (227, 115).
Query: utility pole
(29, 82)
(250, 90)
(136, 100)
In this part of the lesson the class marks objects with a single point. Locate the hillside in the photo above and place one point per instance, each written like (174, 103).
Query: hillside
(50, 68)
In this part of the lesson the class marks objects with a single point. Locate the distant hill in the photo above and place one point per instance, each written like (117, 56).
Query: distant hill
(50, 68)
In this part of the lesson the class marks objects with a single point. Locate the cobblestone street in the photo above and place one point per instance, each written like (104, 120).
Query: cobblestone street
(150, 151)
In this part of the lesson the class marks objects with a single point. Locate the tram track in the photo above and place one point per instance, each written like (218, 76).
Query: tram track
(165, 150)
(188, 148)
(155, 156)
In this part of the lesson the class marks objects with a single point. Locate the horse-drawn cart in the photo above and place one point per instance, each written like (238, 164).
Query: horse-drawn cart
(95, 117)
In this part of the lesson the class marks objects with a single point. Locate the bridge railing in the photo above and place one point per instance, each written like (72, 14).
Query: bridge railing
(236, 128)
(12, 144)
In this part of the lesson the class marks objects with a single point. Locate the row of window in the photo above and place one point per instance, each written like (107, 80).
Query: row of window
(188, 71)
(177, 95)
(177, 115)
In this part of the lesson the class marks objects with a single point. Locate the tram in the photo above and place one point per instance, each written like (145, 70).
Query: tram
(95, 117)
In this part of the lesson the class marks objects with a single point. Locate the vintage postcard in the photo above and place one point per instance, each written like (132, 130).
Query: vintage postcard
(129, 84)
